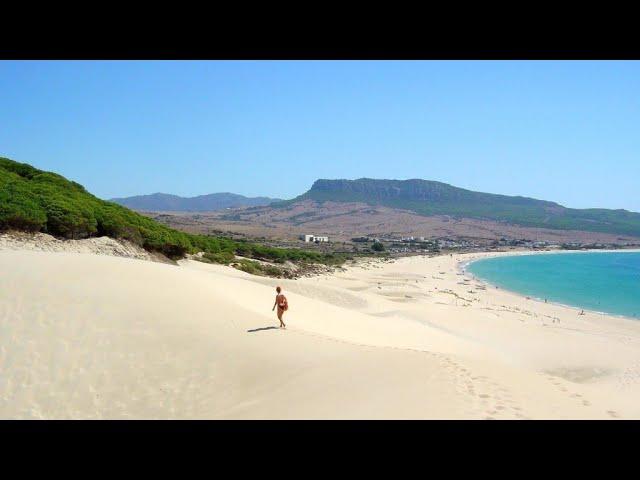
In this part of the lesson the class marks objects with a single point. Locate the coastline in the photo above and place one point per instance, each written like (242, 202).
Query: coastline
(553, 338)
(462, 268)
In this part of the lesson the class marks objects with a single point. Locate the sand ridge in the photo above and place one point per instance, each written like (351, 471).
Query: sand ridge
(88, 336)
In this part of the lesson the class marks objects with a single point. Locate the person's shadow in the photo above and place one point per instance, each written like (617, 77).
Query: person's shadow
(261, 329)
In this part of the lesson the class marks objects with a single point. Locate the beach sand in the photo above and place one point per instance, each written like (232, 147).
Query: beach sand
(95, 336)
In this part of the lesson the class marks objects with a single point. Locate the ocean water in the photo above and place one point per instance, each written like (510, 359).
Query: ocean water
(600, 281)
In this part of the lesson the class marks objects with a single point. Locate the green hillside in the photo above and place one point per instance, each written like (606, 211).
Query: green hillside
(37, 201)
(435, 198)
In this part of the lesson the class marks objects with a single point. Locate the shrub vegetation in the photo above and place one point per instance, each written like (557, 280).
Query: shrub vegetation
(377, 247)
(37, 201)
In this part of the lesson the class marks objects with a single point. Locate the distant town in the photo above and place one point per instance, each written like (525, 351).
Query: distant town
(412, 244)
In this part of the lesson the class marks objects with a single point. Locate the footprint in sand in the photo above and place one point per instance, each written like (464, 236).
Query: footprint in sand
(498, 403)
(613, 414)
(577, 396)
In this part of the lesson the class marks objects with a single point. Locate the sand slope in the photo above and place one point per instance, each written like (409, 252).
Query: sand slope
(88, 336)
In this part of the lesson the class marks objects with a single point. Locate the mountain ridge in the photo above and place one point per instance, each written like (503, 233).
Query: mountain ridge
(200, 203)
(428, 197)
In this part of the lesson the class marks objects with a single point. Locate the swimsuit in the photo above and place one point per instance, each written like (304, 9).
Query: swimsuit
(282, 304)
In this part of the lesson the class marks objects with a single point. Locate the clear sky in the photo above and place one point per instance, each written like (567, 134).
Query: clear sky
(562, 131)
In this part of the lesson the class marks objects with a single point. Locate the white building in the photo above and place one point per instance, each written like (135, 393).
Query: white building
(313, 238)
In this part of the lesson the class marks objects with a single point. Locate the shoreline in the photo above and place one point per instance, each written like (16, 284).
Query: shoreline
(584, 350)
(462, 268)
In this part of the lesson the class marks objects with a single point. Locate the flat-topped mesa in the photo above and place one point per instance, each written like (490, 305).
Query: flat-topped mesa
(426, 197)
(416, 189)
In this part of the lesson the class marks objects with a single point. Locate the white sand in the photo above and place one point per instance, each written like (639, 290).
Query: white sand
(90, 336)
(43, 242)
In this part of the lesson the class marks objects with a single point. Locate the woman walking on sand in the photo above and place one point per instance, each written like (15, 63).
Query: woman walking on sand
(282, 304)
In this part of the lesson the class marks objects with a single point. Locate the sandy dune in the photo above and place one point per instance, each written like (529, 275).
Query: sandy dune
(90, 336)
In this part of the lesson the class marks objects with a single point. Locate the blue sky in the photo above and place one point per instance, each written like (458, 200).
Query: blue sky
(562, 131)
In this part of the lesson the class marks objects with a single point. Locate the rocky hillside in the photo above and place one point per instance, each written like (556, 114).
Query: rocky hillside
(435, 198)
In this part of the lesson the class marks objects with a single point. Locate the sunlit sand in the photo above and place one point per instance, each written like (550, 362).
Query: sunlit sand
(95, 336)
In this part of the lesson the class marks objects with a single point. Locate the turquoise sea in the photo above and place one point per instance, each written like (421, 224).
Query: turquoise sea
(600, 281)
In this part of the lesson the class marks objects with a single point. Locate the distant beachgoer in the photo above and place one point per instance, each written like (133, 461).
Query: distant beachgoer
(282, 304)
